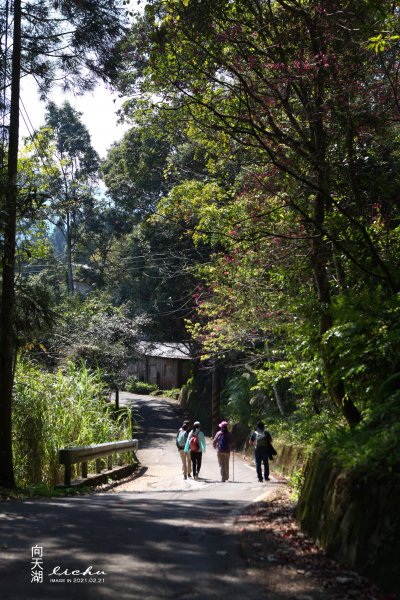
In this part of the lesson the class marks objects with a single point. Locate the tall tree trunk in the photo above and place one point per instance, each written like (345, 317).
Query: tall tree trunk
(277, 394)
(7, 310)
(318, 261)
(278, 398)
(70, 274)
(320, 254)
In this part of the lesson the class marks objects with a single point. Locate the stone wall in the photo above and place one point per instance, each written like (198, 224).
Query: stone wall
(355, 518)
(288, 460)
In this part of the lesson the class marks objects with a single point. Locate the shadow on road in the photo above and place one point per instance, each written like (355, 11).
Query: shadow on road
(155, 418)
(145, 547)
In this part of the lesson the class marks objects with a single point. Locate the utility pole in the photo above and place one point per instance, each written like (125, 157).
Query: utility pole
(7, 308)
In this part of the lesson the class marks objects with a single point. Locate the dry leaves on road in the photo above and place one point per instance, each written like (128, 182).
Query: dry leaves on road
(289, 563)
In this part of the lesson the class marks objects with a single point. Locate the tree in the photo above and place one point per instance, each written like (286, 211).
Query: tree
(68, 176)
(48, 38)
(96, 332)
(149, 269)
(134, 172)
(294, 85)
(7, 311)
(148, 263)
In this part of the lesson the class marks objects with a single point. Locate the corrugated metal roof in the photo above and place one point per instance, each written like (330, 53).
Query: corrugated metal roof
(165, 350)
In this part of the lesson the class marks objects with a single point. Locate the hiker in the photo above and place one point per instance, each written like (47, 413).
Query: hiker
(181, 438)
(223, 443)
(196, 445)
(261, 440)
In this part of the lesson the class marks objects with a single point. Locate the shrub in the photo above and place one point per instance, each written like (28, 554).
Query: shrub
(173, 393)
(54, 410)
(134, 386)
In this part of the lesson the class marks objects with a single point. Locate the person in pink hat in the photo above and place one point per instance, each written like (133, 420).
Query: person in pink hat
(223, 443)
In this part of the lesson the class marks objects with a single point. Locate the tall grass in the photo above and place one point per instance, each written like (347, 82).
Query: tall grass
(54, 410)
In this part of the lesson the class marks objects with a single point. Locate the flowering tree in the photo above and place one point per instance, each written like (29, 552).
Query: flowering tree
(293, 91)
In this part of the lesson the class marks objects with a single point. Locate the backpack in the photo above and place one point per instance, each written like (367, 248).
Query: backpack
(223, 442)
(262, 439)
(194, 443)
(181, 438)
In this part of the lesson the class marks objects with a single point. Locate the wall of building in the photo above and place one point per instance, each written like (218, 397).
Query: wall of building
(166, 373)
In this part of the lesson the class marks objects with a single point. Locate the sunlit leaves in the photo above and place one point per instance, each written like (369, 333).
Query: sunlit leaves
(299, 203)
(200, 205)
(53, 410)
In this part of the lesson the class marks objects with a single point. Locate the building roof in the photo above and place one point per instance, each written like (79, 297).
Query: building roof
(165, 350)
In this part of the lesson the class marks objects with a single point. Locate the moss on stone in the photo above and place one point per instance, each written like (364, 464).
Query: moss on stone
(355, 518)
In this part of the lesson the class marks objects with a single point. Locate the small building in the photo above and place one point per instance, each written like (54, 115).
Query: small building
(167, 365)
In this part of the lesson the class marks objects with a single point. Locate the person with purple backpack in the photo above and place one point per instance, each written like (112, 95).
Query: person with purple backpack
(223, 443)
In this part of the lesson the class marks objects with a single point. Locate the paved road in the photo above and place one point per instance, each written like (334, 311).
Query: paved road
(155, 537)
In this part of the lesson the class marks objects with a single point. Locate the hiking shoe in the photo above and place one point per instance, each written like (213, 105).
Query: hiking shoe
(260, 480)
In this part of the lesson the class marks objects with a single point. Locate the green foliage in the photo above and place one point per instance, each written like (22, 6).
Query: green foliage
(199, 204)
(146, 264)
(280, 159)
(172, 393)
(134, 171)
(304, 427)
(54, 410)
(147, 272)
(365, 341)
(307, 226)
(296, 481)
(35, 314)
(94, 330)
(237, 402)
(133, 385)
(62, 168)
(43, 490)
(373, 449)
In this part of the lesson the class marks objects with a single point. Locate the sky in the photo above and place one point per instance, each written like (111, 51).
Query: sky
(99, 107)
(98, 110)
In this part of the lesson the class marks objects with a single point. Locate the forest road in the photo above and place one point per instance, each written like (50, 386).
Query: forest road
(156, 536)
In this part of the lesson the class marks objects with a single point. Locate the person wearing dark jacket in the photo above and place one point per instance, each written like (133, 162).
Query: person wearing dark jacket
(261, 440)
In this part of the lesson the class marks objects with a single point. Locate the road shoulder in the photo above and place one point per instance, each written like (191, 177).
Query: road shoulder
(288, 563)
